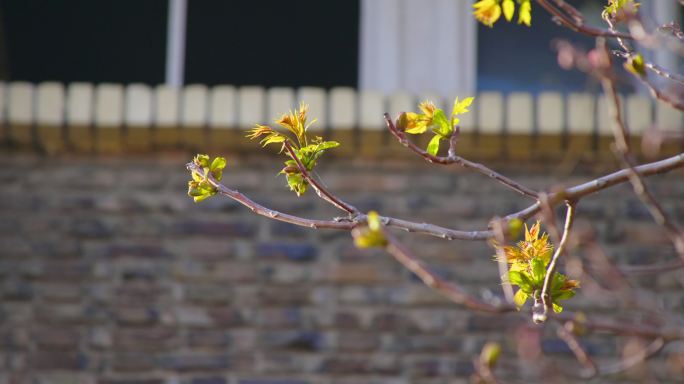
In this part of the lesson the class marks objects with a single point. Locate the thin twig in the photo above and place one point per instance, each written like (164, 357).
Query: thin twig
(573, 193)
(573, 24)
(432, 280)
(270, 213)
(564, 332)
(654, 347)
(546, 301)
(484, 372)
(570, 10)
(579, 191)
(624, 155)
(454, 159)
(628, 52)
(643, 270)
(658, 70)
(323, 193)
(622, 328)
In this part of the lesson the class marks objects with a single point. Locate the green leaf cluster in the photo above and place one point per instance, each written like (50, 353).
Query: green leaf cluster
(307, 150)
(371, 235)
(435, 119)
(199, 188)
(528, 261)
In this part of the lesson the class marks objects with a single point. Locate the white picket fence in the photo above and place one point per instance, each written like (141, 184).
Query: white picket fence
(226, 106)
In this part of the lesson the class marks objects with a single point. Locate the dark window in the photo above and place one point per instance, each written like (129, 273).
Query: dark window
(84, 40)
(514, 57)
(273, 42)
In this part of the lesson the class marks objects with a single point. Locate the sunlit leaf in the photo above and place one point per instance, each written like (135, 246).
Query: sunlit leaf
(440, 124)
(217, 166)
(508, 7)
(487, 11)
(525, 13)
(433, 145)
(201, 160)
(520, 279)
(327, 145)
(520, 298)
(557, 308)
(428, 108)
(461, 107)
(415, 123)
(538, 271)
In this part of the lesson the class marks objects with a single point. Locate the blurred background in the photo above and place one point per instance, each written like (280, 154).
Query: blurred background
(390, 45)
(110, 274)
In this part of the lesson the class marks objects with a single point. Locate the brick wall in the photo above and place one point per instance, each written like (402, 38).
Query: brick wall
(110, 274)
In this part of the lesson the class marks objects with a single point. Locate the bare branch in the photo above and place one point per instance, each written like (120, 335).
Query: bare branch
(579, 191)
(574, 24)
(654, 347)
(564, 332)
(429, 278)
(622, 328)
(623, 152)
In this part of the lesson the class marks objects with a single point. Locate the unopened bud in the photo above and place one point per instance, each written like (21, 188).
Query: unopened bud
(490, 354)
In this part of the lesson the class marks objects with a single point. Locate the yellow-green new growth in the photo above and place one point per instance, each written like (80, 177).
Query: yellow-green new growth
(435, 119)
(488, 12)
(371, 235)
(307, 150)
(528, 261)
(199, 188)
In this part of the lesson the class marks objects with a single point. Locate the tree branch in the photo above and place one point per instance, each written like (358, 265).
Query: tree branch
(624, 155)
(270, 213)
(620, 328)
(429, 278)
(654, 347)
(564, 332)
(323, 193)
(454, 159)
(576, 25)
(572, 193)
(551, 268)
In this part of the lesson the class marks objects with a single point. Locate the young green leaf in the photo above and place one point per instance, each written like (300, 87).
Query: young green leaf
(440, 124)
(201, 160)
(461, 107)
(217, 167)
(520, 298)
(433, 145)
(562, 295)
(557, 308)
(508, 9)
(538, 271)
(520, 279)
